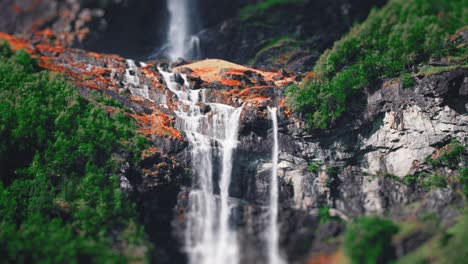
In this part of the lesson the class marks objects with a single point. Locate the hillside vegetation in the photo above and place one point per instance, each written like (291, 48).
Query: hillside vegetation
(392, 43)
(60, 200)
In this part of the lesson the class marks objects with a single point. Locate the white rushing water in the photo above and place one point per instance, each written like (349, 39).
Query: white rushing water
(272, 234)
(181, 42)
(133, 81)
(212, 137)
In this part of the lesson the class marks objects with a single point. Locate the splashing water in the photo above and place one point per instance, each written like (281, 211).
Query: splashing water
(209, 239)
(272, 234)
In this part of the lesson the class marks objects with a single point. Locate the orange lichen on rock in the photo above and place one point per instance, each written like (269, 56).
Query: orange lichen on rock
(158, 123)
(215, 70)
(149, 152)
(16, 43)
(229, 82)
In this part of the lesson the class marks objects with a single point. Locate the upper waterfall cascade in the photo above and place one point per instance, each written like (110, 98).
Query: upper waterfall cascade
(182, 43)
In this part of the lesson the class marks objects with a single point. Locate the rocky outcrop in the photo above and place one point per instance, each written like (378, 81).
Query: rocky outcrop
(289, 35)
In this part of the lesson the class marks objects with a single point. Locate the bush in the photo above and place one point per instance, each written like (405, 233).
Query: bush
(388, 44)
(368, 240)
(448, 156)
(59, 194)
(454, 249)
(464, 180)
(313, 167)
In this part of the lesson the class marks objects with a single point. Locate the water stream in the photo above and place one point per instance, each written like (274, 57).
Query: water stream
(272, 234)
(182, 43)
(209, 238)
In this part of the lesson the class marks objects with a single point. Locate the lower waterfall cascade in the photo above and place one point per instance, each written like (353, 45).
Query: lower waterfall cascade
(213, 139)
(208, 238)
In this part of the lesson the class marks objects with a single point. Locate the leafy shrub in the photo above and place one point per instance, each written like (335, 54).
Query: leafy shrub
(388, 44)
(435, 181)
(368, 240)
(448, 156)
(409, 179)
(60, 200)
(455, 249)
(313, 167)
(464, 180)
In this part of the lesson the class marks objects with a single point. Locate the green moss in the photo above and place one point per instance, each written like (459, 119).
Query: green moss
(247, 11)
(285, 42)
(428, 71)
(389, 44)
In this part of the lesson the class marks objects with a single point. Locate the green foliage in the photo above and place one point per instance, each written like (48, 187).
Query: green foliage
(454, 249)
(247, 11)
(324, 215)
(388, 44)
(407, 80)
(434, 180)
(5, 50)
(409, 179)
(464, 180)
(368, 240)
(60, 200)
(427, 71)
(313, 167)
(449, 156)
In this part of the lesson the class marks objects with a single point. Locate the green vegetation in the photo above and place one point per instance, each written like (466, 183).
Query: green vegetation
(313, 167)
(247, 11)
(446, 247)
(324, 215)
(60, 200)
(287, 44)
(427, 71)
(368, 240)
(409, 179)
(464, 181)
(389, 44)
(454, 249)
(448, 156)
(435, 180)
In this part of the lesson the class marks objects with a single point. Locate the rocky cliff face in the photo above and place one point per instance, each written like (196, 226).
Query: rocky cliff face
(359, 166)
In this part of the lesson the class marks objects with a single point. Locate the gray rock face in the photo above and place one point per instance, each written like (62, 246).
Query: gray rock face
(392, 135)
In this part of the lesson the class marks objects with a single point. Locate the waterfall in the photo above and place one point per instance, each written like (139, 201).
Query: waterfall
(133, 82)
(181, 41)
(272, 234)
(209, 239)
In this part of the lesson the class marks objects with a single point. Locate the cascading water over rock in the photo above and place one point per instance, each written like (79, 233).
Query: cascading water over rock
(209, 239)
(133, 82)
(272, 234)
